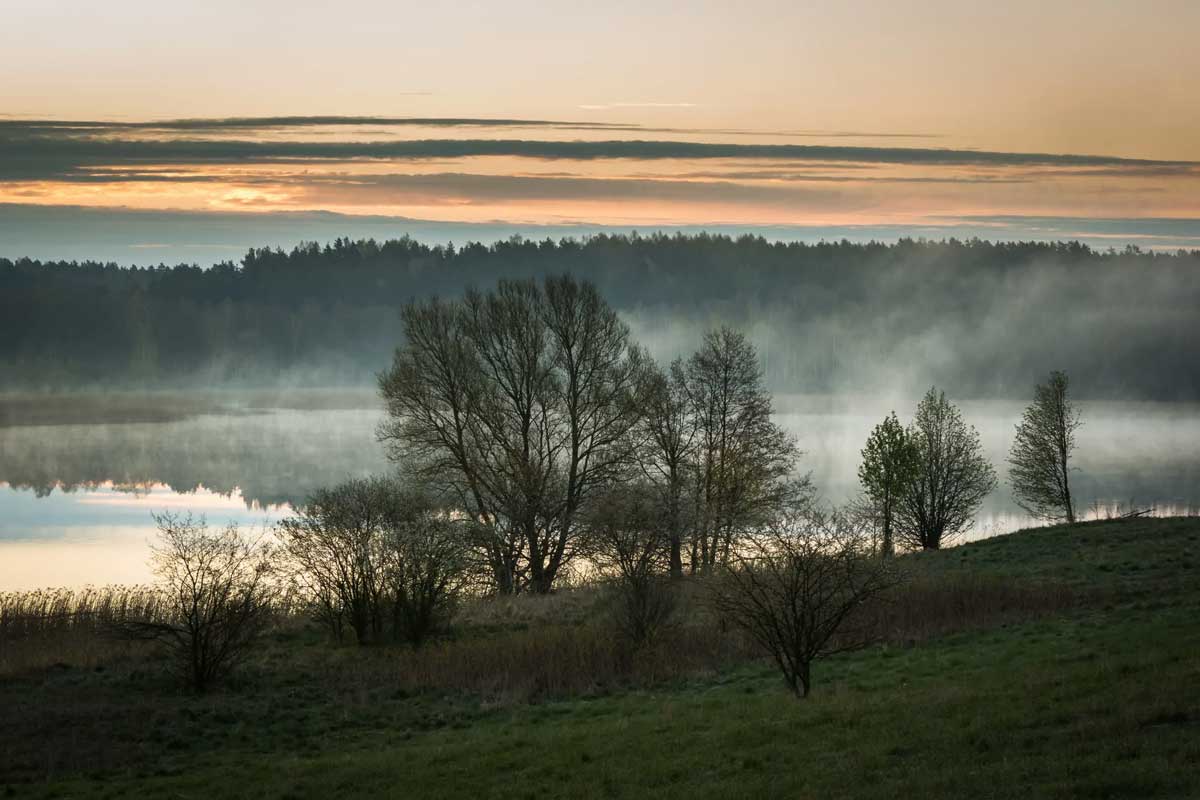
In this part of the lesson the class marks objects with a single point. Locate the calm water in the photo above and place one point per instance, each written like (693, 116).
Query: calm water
(77, 490)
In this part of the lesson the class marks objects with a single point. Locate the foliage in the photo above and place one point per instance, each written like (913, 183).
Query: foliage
(890, 463)
(630, 545)
(1041, 451)
(320, 314)
(667, 455)
(335, 545)
(953, 476)
(425, 570)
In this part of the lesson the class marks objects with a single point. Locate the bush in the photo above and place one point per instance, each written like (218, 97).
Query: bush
(795, 590)
(216, 599)
(369, 551)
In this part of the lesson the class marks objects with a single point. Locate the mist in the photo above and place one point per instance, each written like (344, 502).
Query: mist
(979, 320)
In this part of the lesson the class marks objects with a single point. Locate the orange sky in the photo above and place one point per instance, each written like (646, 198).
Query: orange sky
(1099, 78)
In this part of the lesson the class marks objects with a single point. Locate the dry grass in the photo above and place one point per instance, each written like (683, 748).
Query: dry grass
(516, 649)
(55, 627)
(925, 607)
(46, 611)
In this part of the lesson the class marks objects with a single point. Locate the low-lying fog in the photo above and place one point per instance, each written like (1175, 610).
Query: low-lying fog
(79, 479)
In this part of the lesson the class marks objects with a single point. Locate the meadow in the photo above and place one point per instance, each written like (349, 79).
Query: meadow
(1052, 662)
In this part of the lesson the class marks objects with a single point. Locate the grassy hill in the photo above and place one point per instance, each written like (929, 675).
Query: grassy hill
(1100, 699)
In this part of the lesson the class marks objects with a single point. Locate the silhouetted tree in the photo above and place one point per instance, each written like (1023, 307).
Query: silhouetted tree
(519, 404)
(743, 459)
(217, 598)
(1039, 460)
(666, 457)
(335, 542)
(795, 587)
(890, 463)
(630, 546)
(424, 566)
(952, 479)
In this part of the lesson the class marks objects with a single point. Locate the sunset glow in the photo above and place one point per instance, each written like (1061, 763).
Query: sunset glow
(940, 120)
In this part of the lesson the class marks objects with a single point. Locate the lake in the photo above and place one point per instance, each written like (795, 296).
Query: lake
(81, 477)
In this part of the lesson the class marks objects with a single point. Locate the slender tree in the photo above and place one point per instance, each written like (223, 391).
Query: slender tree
(953, 476)
(743, 459)
(1039, 461)
(668, 434)
(891, 462)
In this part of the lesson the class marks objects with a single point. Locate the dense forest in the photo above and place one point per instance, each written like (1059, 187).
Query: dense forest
(982, 317)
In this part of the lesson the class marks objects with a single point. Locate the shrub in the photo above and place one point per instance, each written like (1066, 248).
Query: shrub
(216, 598)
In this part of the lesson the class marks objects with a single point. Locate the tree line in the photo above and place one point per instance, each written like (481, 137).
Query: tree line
(328, 313)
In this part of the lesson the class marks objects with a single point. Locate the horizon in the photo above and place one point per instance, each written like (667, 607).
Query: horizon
(1045, 121)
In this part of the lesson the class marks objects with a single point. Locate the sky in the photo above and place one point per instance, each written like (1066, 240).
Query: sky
(141, 132)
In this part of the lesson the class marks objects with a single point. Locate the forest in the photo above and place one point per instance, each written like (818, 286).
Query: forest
(831, 316)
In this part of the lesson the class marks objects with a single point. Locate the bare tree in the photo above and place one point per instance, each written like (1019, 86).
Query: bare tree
(435, 394)
(795, 588)
(519, 404)
(890, 463)
(424, 567)
(668, 434)
(953, 476)
(1040, 456)
(743, 458)
(335, 543)
(630, 545)
(217, 598)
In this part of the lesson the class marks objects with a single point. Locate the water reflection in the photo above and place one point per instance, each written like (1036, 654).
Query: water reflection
(80, 495)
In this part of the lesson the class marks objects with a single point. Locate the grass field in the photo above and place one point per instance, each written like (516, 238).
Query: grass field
(1100, 699)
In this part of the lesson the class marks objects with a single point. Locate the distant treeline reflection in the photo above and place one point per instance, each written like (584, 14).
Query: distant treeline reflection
(979, 316)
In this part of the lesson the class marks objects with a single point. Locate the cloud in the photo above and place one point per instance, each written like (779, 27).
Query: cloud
(467, 188)
(68, 155)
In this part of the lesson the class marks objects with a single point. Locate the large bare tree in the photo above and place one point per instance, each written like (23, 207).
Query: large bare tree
(1039, 461)
(953, 476)
(743, 459)
(520, 404)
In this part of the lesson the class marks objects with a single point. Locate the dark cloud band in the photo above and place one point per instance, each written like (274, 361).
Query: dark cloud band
(72, 151)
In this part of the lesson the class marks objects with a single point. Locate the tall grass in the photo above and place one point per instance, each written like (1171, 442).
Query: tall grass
(43, 612)
(58, 627)
(518, 648)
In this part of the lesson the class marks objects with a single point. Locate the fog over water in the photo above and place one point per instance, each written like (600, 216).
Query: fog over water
(77, 489)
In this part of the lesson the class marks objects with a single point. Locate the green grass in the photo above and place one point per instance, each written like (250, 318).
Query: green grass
(1100, 702)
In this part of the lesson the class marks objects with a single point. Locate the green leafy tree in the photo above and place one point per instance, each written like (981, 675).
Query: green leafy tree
(953, 478)
(1039, 461)
(891, 462)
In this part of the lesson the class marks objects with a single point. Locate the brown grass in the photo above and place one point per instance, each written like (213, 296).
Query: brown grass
(514, 649)
(925, 607)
